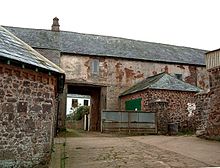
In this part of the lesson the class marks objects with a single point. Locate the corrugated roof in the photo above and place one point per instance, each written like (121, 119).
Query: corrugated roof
(87, 44)
(162, 81)
(13, 48)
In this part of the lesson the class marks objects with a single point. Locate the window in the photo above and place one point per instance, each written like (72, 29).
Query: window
(74, 103)
(95, 66)
(179, 76)
(86, 102)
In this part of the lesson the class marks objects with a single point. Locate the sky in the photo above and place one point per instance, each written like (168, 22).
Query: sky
(190, 23)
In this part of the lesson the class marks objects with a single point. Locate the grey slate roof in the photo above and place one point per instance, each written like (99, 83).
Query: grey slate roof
(161, 81)
(86, 44)
(13, 48)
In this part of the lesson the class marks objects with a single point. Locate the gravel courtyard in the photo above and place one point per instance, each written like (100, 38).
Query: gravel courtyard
(100, 151)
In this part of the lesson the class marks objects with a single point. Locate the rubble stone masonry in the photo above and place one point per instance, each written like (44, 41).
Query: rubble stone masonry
(213, 124)
(27, 111)
(202, 110)
(208, 107)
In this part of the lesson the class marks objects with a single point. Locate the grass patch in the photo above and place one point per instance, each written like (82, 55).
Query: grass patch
(69, 133)
(189, 133)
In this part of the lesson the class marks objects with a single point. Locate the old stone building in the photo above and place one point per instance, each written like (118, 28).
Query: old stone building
(29, 86)
(103, 67)
(163, 87)
(208, 107)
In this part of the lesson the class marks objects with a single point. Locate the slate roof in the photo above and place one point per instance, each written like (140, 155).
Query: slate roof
(87, 44)
(161, 81)
(13, 48)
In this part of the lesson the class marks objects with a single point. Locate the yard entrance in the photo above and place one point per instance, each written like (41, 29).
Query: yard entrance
(95, 95)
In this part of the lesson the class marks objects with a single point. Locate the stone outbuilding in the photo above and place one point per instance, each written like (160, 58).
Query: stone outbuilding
(176, 95)
(29, 87)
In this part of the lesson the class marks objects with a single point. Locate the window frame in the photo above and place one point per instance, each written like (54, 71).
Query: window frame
(95, 66)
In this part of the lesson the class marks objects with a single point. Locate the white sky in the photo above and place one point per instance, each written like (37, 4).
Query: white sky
(191, 23)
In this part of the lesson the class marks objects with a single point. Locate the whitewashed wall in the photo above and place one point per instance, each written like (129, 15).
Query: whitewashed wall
(80, 99)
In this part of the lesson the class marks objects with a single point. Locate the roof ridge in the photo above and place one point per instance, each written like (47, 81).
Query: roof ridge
(160, 75)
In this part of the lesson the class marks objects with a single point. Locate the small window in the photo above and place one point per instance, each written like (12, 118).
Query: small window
(179, 76)
(74, 103)
(86, 102)
(95, 66)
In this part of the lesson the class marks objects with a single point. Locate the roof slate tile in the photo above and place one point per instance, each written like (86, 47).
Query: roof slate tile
(13, 48)
(161, 81)
(87, 44)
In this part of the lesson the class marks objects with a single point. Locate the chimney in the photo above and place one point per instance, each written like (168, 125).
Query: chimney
(55, 26)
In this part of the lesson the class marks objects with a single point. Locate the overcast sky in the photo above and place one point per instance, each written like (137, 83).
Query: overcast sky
(191, 23)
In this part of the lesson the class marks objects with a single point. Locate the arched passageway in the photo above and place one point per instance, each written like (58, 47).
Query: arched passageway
(98, 103)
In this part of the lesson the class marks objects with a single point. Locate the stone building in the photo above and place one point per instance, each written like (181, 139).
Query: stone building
(103, 66)
(163, 87)
(208, 107)
(29, 87)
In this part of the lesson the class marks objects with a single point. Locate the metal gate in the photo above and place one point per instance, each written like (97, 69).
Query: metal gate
(129, 122)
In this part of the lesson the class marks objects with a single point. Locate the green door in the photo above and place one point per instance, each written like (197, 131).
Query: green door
(133, 104)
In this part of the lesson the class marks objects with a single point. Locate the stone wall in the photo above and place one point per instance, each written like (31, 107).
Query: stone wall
(120, 74)
(202, 111)
(213, 123)
(27, 112)
(208, 107)
(177, 108)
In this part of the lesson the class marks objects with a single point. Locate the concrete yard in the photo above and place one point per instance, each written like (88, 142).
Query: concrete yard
(96, 150)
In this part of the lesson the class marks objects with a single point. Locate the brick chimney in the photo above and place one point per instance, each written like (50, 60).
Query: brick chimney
(55, 26)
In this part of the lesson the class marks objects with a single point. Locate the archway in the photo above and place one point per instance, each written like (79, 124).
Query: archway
(97, 101)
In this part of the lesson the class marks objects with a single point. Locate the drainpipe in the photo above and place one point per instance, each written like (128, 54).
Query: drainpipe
(57, 116)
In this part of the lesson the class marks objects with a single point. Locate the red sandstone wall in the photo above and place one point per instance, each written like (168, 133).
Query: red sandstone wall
(27, 111)
(208, 107)
(213, 123)
(202, 110)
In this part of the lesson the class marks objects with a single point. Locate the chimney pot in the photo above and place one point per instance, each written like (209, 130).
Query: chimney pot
(55, 26)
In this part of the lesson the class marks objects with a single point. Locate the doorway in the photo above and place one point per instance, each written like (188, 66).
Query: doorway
(97, 95)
